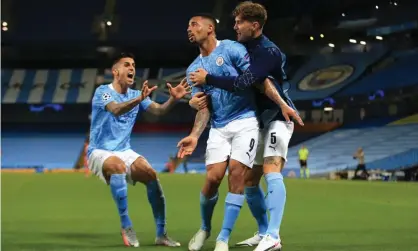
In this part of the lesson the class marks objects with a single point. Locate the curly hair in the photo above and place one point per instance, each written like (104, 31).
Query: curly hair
(252, 12)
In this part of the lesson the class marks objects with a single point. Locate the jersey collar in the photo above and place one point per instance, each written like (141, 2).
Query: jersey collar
(217, 44)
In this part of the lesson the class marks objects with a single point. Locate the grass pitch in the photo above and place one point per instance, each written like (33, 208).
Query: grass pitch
(70, 212)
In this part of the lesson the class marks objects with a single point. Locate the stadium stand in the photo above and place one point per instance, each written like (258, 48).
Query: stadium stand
(397, 74)
(333, 151)
(325, 74)
(45, 150)
(48, 86)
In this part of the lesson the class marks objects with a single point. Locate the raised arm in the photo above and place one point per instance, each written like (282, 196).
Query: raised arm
(176, 93)
(161, 109)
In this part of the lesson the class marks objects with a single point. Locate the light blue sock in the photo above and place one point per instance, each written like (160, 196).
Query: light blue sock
(119, 189)
(157, 200)
(257, 204)
(233, 204)
(276, 200)
(206, 211)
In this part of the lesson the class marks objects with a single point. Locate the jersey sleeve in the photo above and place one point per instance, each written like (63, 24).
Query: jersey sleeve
(239, 56)
(102, 97)
(264, 61)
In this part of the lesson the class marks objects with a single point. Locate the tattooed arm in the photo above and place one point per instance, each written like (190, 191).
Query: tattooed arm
(188, 144)
(272, 93)
(201, 120)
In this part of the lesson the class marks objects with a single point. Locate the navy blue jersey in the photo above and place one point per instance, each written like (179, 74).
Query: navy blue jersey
(267, 61)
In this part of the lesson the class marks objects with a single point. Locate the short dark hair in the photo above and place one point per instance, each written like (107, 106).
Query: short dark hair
(253, 12)
(123, 55)
(207, 16)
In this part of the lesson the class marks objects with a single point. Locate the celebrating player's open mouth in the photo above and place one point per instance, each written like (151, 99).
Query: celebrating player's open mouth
(131, 77)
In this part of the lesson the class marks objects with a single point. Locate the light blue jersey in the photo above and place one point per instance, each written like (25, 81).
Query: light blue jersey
(110, 132)
(229, 58)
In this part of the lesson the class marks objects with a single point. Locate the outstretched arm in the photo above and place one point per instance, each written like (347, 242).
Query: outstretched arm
(161, 109)
(176, 93)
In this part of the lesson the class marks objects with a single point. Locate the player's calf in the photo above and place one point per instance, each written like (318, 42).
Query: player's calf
(276, 197)
(256, 202)
(209, 195)
(236, 177)
(141, 171)
(234, 199)
(114, 171)
(214, 176)
(208, 199)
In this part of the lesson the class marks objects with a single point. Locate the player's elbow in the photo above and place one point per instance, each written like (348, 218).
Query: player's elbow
(117, 112)
(193, 105)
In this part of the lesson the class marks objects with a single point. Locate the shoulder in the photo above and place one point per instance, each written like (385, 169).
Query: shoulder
(102, 89)
(271, 48)
(232, 44)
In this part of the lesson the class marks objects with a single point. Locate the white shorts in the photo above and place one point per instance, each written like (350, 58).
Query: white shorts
(98, 157)
(274, 141)
(237, 140)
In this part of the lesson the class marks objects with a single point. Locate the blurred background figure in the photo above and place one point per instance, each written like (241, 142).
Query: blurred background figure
(361, 166)
(174, 162)
(303, 161)
(85, 159)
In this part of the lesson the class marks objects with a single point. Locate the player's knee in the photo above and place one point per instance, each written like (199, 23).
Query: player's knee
(152, 174)
(115, 168)
(273, 164)
(142, 171)
(253, 176)
(214, 179)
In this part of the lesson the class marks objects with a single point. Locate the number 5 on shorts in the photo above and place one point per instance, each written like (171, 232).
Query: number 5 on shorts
(273, 138)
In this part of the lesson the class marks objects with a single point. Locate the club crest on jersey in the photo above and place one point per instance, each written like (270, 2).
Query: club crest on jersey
(106, 96)
(219, 61)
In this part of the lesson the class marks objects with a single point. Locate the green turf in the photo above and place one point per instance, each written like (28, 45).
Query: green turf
(71, 212)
